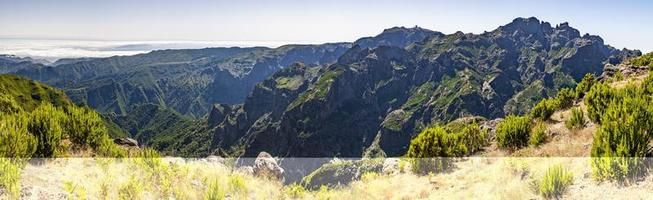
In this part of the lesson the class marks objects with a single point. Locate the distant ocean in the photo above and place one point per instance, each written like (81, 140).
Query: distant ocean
(51, 50)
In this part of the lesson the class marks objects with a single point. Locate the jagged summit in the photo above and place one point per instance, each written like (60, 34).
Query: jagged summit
(397, 36)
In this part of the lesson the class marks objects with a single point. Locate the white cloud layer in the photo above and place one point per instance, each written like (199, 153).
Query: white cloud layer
(52, 50)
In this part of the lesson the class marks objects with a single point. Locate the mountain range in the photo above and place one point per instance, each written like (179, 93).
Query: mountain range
(366, 98)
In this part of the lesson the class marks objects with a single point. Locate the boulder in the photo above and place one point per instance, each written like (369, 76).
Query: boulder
(344, 172)
(491, 126)
(129, 142)
(266, 166)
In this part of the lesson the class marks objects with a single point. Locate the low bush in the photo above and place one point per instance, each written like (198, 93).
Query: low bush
(85, 127)
(576, 120)
(598, 99)
(565, 98)
(538, 135)
(15, 140)
(544, 109)
(554, 182)
(44, 124)
(513, 132)
(644, 60)
(473, 138)
(584, 86)
(623, 140)
(8, 105)
(430, 149)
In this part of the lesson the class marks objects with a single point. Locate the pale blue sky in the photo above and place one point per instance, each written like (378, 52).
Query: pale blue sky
(620, 23)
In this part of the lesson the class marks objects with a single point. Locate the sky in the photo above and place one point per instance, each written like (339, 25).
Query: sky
(620, 23)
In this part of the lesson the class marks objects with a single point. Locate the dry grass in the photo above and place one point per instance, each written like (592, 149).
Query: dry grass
(473, 178)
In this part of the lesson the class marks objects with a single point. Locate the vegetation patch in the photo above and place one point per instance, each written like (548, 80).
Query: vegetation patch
(431, 149)
(554, 182)
(513, 132)
(538, 135)
(577, 119)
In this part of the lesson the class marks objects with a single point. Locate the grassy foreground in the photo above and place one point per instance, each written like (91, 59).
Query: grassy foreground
(173, 178)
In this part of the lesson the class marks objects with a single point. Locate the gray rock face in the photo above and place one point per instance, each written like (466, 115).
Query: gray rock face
(128, 142)
(610, 70)
(343, 172)
(266, 166)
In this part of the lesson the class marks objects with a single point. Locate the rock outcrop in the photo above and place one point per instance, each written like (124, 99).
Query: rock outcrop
(128, 142)
(266, 166)
(342, 172)
(625, 70)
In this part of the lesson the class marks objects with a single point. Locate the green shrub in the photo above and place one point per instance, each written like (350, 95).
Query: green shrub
(473, 138)
(513, 132)
(644, 60)
(538, 135)
(554, 182)
(15, 141)
(85, 127)
(544, 109)
(585, 85)
(598, 99)
(214, 191)
(623, 139)
(565, 98)
(10, 177)
(618, 76)
(432, 146)
(295, 191)
(44, 124)
(577, 119)
(647, 85)
(8, 105)
(430, 149)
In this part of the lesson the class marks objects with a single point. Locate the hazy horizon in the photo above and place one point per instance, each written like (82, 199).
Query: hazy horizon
(205, 23)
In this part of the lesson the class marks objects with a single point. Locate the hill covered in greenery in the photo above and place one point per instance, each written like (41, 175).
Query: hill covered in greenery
(39, 121)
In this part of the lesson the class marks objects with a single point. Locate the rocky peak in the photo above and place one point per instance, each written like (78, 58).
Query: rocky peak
(566, 31)
(529, 25)
(397, 36)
